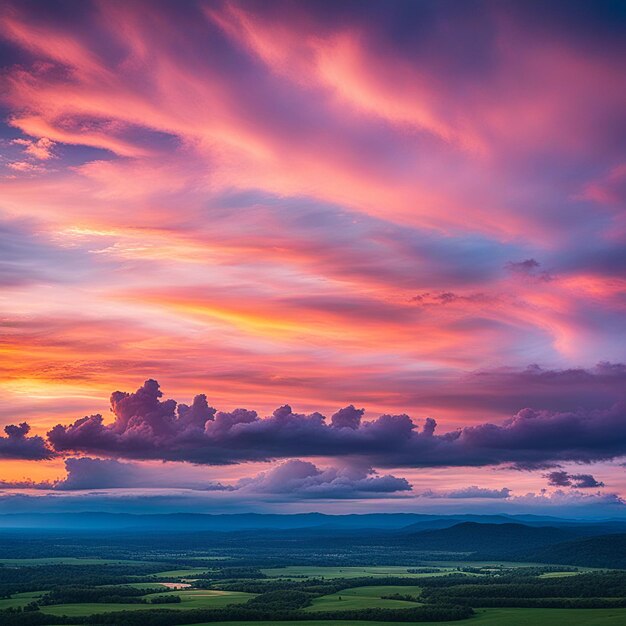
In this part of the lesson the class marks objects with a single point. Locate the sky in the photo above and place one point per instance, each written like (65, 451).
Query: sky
(309, 255)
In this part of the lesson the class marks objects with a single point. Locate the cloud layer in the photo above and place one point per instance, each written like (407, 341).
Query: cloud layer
(293, 479)
(147, 427)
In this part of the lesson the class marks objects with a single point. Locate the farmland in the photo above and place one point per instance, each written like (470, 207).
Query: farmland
(488, 617)
(330, 577)
(195, 599)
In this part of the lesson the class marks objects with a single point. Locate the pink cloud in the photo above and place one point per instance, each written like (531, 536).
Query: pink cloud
(388, 208)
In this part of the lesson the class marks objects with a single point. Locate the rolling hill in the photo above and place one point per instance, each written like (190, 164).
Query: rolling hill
(602, 551)
(493, 539)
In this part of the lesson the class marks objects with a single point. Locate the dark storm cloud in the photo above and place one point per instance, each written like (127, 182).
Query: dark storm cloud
(147, 428)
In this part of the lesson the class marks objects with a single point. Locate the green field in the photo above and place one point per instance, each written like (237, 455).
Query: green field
(455, 564)
(512, 564)
(178, 573)
(485, 617)
(296, 571)
(74, 561)
(365, 598)
(19, 599)
(155, 586)
(210, 558)
(195, 599)
(349, 599)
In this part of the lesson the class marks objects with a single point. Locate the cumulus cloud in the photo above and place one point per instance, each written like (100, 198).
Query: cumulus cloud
(576, 481)
(303, 479)
(292, 479)
(561, 498)
(18, 445)
(145, 427)
(472, 491)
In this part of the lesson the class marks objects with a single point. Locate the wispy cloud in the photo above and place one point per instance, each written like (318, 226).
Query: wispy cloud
(390, 205)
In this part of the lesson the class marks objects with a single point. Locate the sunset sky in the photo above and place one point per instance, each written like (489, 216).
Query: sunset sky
(302, 209)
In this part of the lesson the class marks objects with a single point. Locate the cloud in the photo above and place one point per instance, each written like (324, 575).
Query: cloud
(25, 167)
(145, 427)
(292, 479)
(610, 190)
(18, 445)
(472, 491)
(303, 479)
(509, 388)
(585, 481)
(88, 473)
(30, 256)
(576, 481)
(568, 503)
(560, 498)
(528, 269)
(40, 149)
(559, 479)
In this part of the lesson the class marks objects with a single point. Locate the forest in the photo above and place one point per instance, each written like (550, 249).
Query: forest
(302, 575)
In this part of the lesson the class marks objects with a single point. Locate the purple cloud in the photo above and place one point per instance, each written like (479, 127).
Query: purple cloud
(585, 481)
(18, 445)
(597, 386)
(528, 269)
(88, 473)
(292, 479)
(472, 491)
(305, 480)
(147, 428)
(576, 481)
(559, 479)
(349, 417)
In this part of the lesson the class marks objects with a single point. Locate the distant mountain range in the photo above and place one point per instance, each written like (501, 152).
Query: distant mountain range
(539, 539)
(403, 523)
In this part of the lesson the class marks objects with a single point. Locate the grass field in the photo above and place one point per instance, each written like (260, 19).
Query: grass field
(73, 561)
(455, 564)
(365, 598)
(482, 563)
(297, 571)
(196, 599)
(155, 586)
(20, 599)
(486, 617)
(178, 573)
